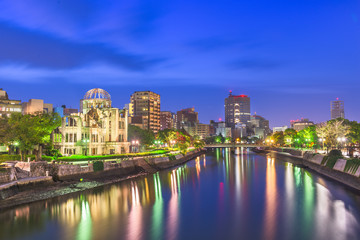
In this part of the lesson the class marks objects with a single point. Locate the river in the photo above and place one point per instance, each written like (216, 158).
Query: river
(215, 196)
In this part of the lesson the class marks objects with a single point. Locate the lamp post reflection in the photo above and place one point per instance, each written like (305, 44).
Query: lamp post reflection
(135, 215)
(270, 200)
(157, 211)
(172, 220)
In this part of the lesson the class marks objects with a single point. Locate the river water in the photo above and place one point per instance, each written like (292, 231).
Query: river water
(216, 196)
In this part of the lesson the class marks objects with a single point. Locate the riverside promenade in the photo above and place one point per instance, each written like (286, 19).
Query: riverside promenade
(66, 178)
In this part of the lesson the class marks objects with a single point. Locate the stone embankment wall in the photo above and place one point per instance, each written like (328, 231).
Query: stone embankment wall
(63, 169)
(4, 177)
(316, 162)
(339, 165)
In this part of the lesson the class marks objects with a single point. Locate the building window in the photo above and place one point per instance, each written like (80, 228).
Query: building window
(121, 138)
(66, 137)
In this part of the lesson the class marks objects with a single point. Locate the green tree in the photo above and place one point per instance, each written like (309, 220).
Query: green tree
(336, 129)
(278, 138)
(199, 144)
(145, 137)
(167, 136)
(29, 132)
(290, 136)
(308, 136)
(219, 139)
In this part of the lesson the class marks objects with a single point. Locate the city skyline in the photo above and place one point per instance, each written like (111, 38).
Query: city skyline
(292, 59)
(180, 107)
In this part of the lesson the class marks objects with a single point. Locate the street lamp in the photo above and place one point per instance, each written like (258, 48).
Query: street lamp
(135, 145)
(172, 142)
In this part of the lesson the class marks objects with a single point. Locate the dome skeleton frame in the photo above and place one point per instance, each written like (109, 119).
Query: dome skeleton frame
(97, 93)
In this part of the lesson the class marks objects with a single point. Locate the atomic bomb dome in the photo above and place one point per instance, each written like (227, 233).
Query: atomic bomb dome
(95, 98)
(97, 93)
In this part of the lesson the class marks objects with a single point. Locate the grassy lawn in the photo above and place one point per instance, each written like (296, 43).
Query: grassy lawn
(79, 158)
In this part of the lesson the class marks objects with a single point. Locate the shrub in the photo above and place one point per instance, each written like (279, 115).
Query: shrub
(352, 165)
(98, 166)
(73, 158)
(171, 157)
(335, 153)
(331, 158)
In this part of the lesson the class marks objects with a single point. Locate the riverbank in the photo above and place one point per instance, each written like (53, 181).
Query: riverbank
(71, 179)
(316, 163)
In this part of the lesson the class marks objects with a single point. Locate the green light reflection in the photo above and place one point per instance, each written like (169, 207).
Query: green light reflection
(85, 226)
(157, 213)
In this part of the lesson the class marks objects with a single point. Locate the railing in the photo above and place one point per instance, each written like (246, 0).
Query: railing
(220, 145)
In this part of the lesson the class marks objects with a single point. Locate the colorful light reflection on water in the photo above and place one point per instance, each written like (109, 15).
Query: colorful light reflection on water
(215, 196)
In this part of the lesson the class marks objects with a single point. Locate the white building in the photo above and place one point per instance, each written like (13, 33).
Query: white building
(280, 129)
(98, 129)
(223, 130)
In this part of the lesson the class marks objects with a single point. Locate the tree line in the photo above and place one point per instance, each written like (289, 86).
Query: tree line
(332, 134)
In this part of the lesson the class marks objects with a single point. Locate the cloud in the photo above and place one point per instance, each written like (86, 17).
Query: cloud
(38, 49)
(81, 19)
(253, 64)
(219, 42)
(89, 74)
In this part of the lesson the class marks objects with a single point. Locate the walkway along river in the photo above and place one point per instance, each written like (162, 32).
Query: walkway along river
(215, 196)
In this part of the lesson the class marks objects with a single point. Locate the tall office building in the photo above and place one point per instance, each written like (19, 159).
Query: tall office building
(237, 110)
(337, 109)
(146, 104)
(167, 120)
(259, 126)
(186, 117)
(8, 106)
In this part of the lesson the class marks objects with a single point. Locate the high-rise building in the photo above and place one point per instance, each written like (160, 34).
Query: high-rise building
(167, 120)
(237, 110)
(147, 105)
(98, 129)
(186, 117)
(337, 109)
(8, 106)
(36, 105)
(259, 126)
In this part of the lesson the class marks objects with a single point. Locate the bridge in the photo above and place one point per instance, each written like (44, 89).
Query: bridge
(233, 145)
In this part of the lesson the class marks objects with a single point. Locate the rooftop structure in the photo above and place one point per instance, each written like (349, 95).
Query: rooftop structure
(95, 98)
(7, 106)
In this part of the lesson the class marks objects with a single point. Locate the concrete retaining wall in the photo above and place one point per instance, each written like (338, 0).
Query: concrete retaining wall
(4, 177)
(339, 165)
(38, 169)
(64, 170)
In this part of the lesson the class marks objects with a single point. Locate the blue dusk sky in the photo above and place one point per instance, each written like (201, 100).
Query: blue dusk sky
(292, 57)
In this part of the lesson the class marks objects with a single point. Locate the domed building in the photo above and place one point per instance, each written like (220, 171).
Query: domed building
(96, 130)
(95, 98)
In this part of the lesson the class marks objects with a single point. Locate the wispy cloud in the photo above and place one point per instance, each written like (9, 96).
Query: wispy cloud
(37, 49)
